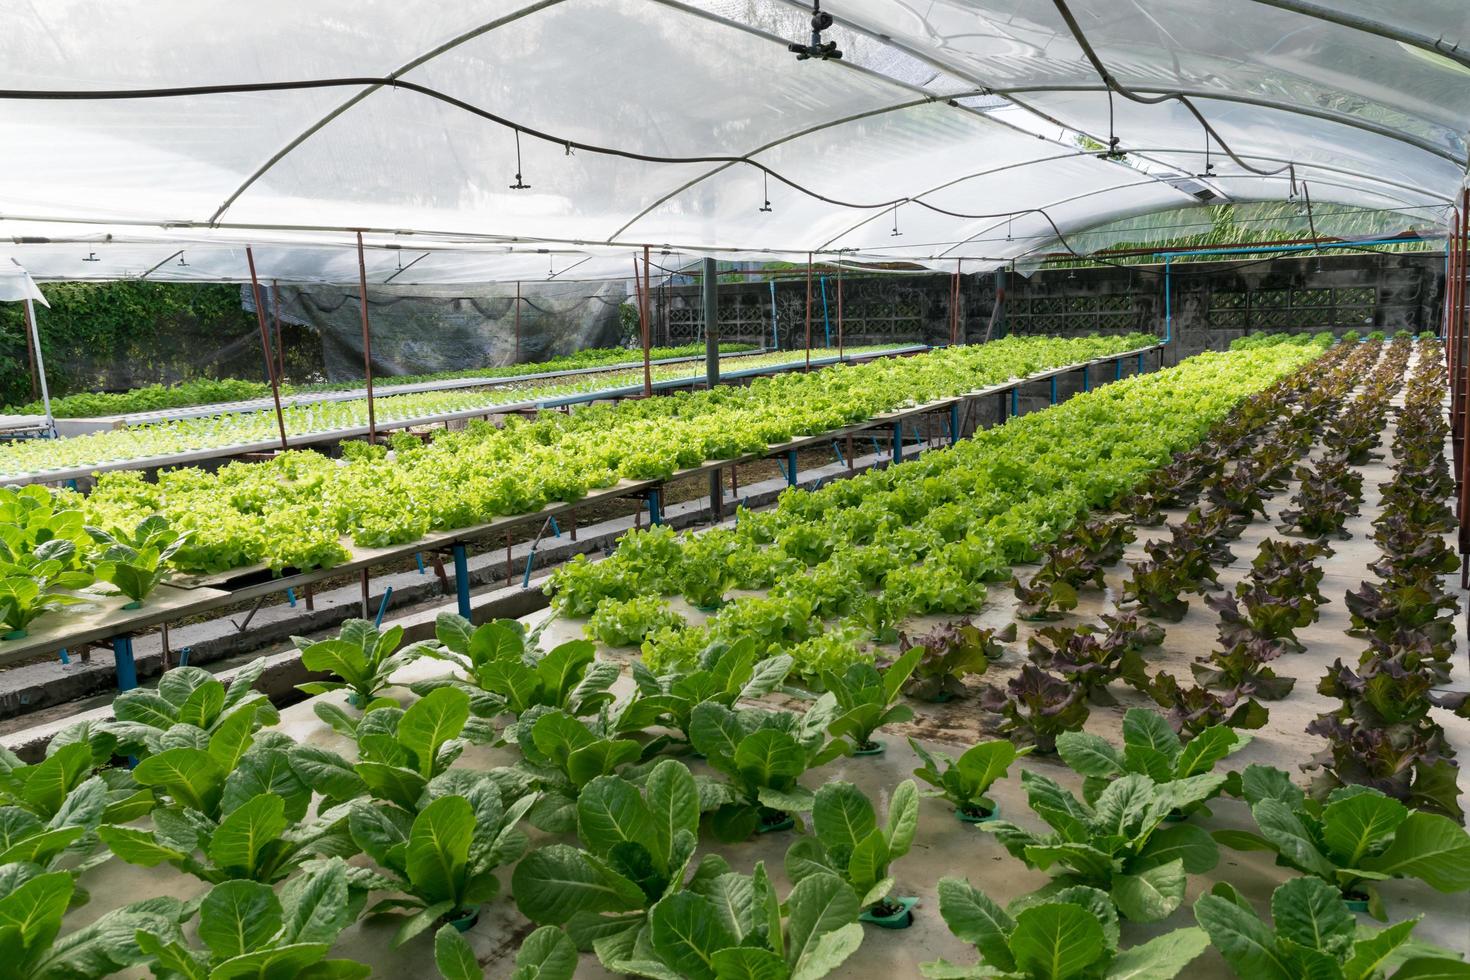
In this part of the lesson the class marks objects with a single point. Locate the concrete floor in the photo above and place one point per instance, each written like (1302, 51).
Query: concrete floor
(943, 845)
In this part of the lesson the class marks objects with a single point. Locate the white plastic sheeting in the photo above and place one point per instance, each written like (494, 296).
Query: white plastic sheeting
(956, 123)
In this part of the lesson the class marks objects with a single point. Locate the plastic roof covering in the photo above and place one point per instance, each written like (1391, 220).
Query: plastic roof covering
(970, 107)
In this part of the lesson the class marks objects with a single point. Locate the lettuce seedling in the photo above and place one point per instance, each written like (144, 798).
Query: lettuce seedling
(965, 781)
(1117, 844)
(135, 563)
(190, 707)
(248, 931)
(1151, 748)
(364, 658)
(848, 842)
(1357, 837)
(761, 754)
(867, 699)
(444, 860)
(562, 754)
(734, 925)
(638, 845)
(1314, 936)
(1072, 932)
(31, 908)
(725, 673)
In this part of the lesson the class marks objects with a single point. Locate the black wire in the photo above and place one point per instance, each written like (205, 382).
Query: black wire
(1115, 86)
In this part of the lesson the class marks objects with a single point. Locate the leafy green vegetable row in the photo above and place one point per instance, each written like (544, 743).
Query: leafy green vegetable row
(294, 510)
(208, 391)
(921, 537)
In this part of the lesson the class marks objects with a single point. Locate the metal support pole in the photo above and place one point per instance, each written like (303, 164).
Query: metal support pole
(1140, 364)
(31, 354)
(710, 288)
(954, 423)
(40, 360)
(898, 442)
(1087, 377)
(808, 311)
(645, 327)
(366, 593)
(367, 341)
(518, 322)
(826, 319)
(461, 578)
(127, 669)
(280, 342)
(1053, 389)
(954, 305)
(1016, 400)
(791, 467)
(655, 508)
(775, 332)
(839, 307)
(265, 343)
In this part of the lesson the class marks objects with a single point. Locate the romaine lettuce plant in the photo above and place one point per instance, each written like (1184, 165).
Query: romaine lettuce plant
(867, 699)
(965, 781)
(191, 707)
(732, 926)
(639, 843)
(444, 860)
(248, 931)
(761, 754)
(31, 909)
(563, 754)
(1071, 933)
(1116, 844)
(1314, 935)
(136, 562)
(724, 673)
(546, 954)
(364, 658)
(507, 673)
(952, 651)
(1151, 748)
(847, 841)
(1358, 837)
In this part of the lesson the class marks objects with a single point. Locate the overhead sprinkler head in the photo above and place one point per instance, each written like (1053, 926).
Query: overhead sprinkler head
(822, 51)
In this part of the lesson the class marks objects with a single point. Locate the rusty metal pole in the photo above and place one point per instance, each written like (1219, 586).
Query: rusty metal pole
(367, 340)
(808, 311)
(265, 343)
(518, 323)
(280, 342)
(647, 370)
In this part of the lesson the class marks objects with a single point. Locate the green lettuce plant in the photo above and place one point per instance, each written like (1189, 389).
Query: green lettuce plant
(1116, 844)
(136, 562)
(508, 674)
(24, 599)
(867, 699)
(761, 754)
(248, 931)
(363, 657)
(724, 673)
(1357, 837)
(965, 781)
(847, 841)
(1070, 933)
(1150, 748)
(626, 623)
(638, 844)
(31, 909)
(546, 954)
(444, 860)
(191, 707)
(1314, 935)
(734, 925)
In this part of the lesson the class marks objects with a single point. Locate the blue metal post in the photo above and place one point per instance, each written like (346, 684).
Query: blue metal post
(1016, 400)
(954, 423)
(383, 607)
(826, 321)
(1140, 363)
(1168, 300)
(64, 658)
(655, 510)
(291, 597)
(1118, 369)
(838, 450)
(462, 578)
(898, 442)
(127, 670)
(1086, 377)
(775, 337)
(555, 528)
(530, 563)
(418, 557)
(791, 467)
(1053, 389)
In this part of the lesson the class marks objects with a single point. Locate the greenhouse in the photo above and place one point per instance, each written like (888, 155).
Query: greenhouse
(735, 490)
